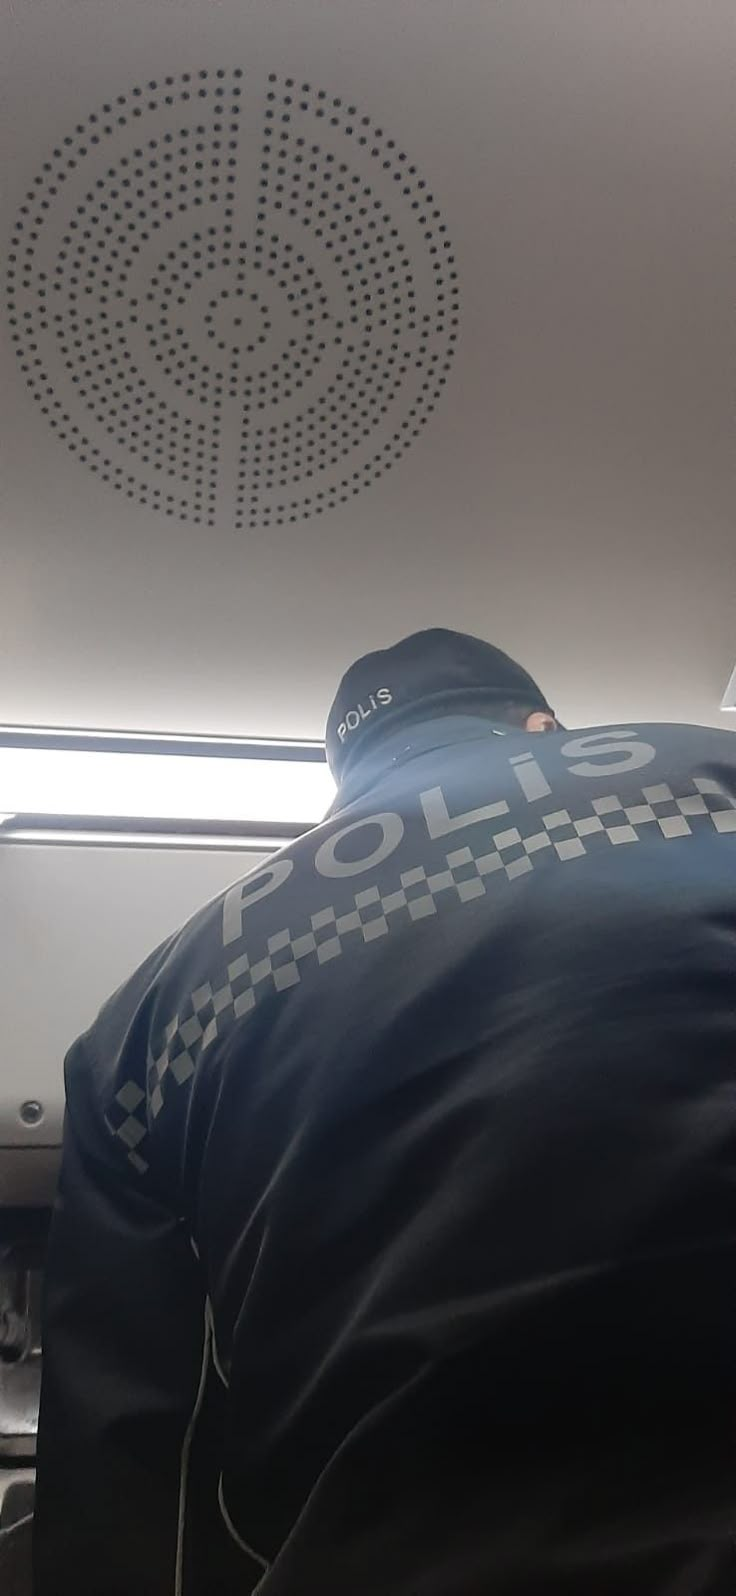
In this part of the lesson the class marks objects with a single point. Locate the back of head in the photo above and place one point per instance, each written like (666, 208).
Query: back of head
(430, 673)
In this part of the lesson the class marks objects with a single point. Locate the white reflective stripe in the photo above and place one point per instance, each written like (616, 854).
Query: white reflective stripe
(185, 1454)
(244, 1547)
(213, 1342)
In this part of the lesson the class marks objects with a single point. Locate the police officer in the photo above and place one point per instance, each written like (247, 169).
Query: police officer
(395, 1244)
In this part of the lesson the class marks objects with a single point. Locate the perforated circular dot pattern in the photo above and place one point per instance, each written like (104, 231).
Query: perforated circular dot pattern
(236, 303)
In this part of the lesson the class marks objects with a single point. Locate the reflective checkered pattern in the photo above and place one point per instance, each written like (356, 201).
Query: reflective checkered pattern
(212, 1009)
(127, 1120)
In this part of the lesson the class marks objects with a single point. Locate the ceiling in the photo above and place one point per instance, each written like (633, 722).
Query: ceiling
(329, 321)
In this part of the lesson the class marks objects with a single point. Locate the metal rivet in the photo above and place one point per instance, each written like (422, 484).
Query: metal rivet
(31, 1112)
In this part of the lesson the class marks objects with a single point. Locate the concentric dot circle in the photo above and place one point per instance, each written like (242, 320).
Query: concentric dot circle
(230, 343)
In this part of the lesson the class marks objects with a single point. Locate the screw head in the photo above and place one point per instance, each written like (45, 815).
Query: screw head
(31, 1112)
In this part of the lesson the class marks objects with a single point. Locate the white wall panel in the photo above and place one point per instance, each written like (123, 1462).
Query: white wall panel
(74, 922)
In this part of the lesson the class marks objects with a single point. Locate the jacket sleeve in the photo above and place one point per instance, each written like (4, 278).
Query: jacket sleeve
(124, 1353)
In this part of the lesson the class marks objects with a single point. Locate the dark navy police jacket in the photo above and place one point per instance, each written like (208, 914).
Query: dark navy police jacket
(395, 1246)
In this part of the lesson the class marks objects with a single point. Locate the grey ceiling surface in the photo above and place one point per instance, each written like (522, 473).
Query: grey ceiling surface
(325, 321)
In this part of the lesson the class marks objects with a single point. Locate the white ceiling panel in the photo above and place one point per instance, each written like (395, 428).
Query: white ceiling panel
(327, 321)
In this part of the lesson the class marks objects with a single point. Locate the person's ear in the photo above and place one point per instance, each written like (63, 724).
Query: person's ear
(540, 721)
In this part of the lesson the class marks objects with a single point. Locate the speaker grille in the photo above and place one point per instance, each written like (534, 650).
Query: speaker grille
(235, 303)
